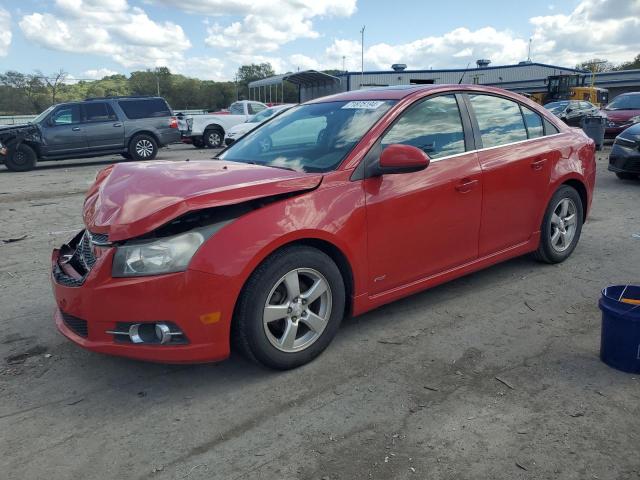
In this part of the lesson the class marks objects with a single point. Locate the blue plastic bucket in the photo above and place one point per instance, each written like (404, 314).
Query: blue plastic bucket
(620, 337)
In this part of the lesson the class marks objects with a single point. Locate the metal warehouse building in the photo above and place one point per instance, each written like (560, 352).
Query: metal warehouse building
(525, 77)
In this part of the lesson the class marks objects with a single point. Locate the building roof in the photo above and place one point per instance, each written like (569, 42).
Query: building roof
(298, 78)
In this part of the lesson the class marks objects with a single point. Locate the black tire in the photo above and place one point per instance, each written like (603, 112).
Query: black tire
(626, 176)
(143, 147)
(249, 333)
(198, 142)
(126, 155)
(548, 250)
(213, 137)
(21, 158)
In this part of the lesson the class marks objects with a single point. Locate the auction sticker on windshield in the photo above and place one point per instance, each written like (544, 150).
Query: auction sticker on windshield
(363, 104)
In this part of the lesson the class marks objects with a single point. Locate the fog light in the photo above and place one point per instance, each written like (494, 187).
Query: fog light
(163, 333)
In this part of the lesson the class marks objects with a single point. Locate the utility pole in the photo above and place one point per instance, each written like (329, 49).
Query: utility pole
(362, 50)
(343, 63)
(529, 55)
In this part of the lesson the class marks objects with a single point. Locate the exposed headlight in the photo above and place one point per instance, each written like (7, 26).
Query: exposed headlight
(157, 256)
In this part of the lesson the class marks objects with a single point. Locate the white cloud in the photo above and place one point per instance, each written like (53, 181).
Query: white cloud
(596, 28)
(5, 32)
(98, 73)
(265, 25)
(110, 28)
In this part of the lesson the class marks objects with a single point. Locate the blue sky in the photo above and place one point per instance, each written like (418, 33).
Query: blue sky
(210, 38)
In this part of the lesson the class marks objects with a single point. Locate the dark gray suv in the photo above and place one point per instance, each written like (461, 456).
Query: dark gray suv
(134, 127)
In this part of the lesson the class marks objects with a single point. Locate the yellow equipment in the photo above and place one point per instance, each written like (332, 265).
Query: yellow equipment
(571, 87)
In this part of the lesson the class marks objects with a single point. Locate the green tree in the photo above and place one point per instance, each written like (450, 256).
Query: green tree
(596, 65)
(632, 65)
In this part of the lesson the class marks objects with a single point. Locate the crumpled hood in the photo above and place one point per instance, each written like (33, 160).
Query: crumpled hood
(131, 199)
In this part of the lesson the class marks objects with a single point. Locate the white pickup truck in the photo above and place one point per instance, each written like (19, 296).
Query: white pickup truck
(208, 130)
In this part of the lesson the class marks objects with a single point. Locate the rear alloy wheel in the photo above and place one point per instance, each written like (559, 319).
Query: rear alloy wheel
(626, 175)
(143, 147)
(21, 159)
(213, 137)
(290, 309)
(561, 226)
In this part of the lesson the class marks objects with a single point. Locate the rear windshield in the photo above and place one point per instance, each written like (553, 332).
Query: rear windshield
(145, 108)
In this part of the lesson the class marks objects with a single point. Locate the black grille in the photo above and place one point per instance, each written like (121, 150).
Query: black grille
(79, 255)
(77, 325)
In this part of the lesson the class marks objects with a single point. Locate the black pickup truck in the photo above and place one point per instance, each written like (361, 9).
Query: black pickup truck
(134, 127)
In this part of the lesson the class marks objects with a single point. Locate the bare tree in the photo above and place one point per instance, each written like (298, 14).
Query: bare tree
(54, 81)
(596, 65)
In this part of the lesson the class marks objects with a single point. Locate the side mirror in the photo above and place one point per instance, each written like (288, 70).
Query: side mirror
(398, 158)
(569, 110)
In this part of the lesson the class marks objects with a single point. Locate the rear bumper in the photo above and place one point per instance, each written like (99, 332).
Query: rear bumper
(194, 301)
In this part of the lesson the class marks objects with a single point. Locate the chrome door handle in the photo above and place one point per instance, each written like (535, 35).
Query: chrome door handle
(76, 129)
(117, 124)
(466, 185)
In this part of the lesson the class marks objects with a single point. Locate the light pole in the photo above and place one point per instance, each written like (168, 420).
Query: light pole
(362, 50)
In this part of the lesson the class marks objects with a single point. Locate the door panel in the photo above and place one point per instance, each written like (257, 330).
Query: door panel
(63, 132)
(515, 175)
(423, 223)
(102, 128)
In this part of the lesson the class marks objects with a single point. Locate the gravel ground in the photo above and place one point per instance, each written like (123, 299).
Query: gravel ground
(495, 375)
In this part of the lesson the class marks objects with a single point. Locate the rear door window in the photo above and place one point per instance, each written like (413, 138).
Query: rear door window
(99, 112)
(255, 108)
(433, 125)
(145, 108)
(499, 119)
(236, 109)
(533, 122)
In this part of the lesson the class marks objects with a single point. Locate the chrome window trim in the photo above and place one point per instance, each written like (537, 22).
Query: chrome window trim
(494, 147)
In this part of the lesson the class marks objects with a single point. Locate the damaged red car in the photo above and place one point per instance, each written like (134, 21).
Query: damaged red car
(333, 208)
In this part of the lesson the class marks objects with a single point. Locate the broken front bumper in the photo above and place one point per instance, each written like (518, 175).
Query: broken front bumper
(92, 305)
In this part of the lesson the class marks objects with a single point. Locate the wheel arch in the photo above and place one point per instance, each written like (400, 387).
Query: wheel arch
(213, 126)
(143, 132)
(581, 188)
(331, 249)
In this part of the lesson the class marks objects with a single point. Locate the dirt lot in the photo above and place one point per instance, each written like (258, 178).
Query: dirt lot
(408, 391)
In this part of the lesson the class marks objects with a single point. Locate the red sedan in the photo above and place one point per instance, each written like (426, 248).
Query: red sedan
(333, 208)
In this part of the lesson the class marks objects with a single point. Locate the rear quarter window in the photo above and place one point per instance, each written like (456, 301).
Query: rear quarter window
(145, 108)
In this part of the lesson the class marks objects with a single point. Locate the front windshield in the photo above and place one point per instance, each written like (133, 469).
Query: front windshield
(311, 138)
(43, 115)
(625, 102)
(262, 116)
(556, 107)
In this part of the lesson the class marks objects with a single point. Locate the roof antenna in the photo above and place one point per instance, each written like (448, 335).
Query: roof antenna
(463, 73)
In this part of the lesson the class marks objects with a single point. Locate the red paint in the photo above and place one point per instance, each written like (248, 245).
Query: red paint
(403, 157)
(399, 233)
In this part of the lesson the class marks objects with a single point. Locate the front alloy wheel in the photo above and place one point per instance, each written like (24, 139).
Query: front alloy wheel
(290, 309)
(297, 310)
(563, 224)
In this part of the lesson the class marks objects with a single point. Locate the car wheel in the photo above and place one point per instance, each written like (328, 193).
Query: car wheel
(290, 309)
(143, 147)
(21, 159)
(198, 143)
(561, 226)
(626, 176)
(213, 137)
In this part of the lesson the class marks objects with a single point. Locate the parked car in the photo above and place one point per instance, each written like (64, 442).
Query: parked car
(621, 113)
(135, 127)
(381, 193)
(572, 112)
(239, 130)
(624, 158)
(208, 130)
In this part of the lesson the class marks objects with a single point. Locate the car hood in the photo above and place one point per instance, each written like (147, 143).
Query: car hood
(242, 128)
(620, 115)
(130, 199)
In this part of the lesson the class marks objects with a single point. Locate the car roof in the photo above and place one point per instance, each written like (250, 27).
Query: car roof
(398, 92)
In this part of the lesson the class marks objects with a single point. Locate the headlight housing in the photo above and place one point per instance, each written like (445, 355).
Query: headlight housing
(157, 256)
